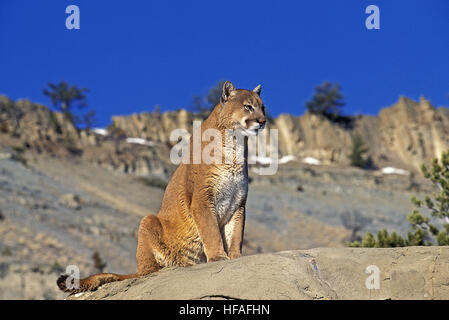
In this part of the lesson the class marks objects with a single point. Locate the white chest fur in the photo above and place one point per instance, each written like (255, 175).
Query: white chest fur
(232, 190)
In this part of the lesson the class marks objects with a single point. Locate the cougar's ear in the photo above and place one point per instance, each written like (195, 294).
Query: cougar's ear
(258, 89)
(228, 87)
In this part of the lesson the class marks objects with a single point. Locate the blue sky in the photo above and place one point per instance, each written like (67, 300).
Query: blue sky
(133, 55)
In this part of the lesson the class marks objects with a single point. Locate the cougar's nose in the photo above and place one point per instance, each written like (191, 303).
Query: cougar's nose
(261, 122)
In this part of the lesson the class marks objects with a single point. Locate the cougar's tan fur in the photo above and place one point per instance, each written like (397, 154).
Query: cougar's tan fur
(202, 215)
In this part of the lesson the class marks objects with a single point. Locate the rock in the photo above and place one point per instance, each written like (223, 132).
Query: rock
(5, 155)
(71, 201)
(155, 126)
(38, 127)
(26, 282)
(322, 273)
(403, 135)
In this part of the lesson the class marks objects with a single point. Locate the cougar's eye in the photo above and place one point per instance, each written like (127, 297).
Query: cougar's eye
(249, 108)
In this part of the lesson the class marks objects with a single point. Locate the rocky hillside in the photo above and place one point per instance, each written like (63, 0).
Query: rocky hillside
(37, 127)
(27, 126)
(66, 194)
(57, 211)
(404, 135)
(404, 273)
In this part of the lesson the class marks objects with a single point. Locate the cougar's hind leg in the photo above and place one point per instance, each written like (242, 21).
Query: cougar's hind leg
(90, 283)
(148, 245)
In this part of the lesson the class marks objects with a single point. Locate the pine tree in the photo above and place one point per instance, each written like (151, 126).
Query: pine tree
(368, 241)
(63, 96)
(214, 95)
(327, 101)
(423, 232)
(357, 155)
(437, 204)
(206, 103)
(89, 119)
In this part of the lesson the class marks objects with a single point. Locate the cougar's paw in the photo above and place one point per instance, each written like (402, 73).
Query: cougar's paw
(234, 255)
(218, 258)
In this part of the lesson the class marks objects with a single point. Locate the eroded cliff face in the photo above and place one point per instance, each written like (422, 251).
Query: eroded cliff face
(312, 136)
(36, 126)
(155, 126)
(404, 135)
(412, 132)
(28, 126)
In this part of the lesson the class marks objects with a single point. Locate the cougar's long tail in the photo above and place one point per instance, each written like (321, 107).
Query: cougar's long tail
(91, 283)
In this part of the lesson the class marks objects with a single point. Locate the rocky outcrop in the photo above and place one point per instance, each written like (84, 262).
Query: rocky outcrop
(412, 132)
(331, 273)
(155, 126)
(312, 136)
(404, 135)
(36, 126)
(25, 125)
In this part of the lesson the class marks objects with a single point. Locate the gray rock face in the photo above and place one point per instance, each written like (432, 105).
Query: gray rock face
(403, 135)
(46, 164)
(26, 281)
(322, 273)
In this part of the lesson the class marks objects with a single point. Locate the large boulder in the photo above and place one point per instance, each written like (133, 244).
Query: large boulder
(322, 273)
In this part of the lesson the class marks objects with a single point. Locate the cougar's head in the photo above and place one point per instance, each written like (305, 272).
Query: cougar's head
(243, 109)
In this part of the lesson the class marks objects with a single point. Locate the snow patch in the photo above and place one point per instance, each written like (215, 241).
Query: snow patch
(268, 160)
(100, 131)
(312, 161)
(286, 159)
(260, 160)
(391, 170)
(140, 141)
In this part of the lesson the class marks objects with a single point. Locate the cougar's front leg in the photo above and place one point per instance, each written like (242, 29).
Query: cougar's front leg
(203, 213)
(233, 233)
